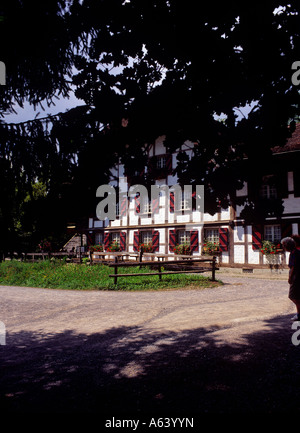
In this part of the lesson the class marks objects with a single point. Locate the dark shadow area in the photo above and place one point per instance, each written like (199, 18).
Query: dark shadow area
(127, 370)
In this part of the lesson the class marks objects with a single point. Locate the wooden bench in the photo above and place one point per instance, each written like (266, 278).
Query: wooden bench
(47, 255)
(36, 256)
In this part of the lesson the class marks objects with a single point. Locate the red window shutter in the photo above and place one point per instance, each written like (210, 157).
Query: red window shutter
(123, 241)
(155, 205)
(194, 200)
(155, 241)
(172, 202)
(256, 237)
(172, 239)
(106, 241)
(152, 165)
(123, 209)
(90, 239)
(137, 203)
(169, 163)
(194, 241)
(286, 230)
(223, 239)
(136, 241)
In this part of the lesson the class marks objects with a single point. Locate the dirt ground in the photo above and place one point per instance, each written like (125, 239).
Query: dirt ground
(226, 350)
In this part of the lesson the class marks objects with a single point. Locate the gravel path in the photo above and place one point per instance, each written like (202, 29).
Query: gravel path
(222, 350)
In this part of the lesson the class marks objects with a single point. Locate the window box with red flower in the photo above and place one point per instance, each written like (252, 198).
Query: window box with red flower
(210, 248)
(146, 247)
(96, 248)
(45, 246)
(182, 249)
(114, 247)
(271, 251)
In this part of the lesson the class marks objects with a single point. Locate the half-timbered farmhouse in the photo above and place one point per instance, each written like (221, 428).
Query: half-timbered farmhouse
(166, 228)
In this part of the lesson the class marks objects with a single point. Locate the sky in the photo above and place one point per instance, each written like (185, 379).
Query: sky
(28, 112)
(64, 104)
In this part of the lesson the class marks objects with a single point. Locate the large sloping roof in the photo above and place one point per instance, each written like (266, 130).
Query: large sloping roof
(293, 143)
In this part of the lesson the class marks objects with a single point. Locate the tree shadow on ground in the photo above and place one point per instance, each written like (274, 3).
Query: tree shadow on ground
(129, 370)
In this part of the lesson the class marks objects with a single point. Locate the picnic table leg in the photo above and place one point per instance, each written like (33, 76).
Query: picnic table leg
(116, 270)
(213, 276)
(159, 270)
(141, 256)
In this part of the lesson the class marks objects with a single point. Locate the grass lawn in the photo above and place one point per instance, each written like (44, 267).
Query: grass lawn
(61, 275)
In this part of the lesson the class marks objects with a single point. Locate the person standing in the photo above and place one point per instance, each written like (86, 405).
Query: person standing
(289, 245)
(297, 240)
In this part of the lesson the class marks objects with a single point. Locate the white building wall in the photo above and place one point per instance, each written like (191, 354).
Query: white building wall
(159, 146)
(239, 254)
(239, 234)
(291, 205)
(130, 239)
(243, 191)
(208, 217)
(239, 250)
(145, 221)
(162, 244)
(253, 256)
(225, 214)
(225, 257)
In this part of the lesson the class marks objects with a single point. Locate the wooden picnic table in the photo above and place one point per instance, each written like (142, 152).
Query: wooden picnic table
(99, 256)
(209, 266)
(175, 257)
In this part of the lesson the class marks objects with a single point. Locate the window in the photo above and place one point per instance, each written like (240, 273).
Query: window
(161, 162)
(146, 237)
(146, 206)
(268, 189)
(117, 209)
(184, 237)
(185, 200)
(211, 235)
(272, 233)
(115, 237)
(296, 177)
(99, 238)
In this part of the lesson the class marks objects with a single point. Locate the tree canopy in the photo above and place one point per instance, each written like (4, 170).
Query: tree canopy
(169, 67)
